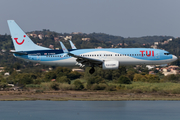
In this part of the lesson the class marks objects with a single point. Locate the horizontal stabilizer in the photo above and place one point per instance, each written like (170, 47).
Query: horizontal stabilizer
(18, 52)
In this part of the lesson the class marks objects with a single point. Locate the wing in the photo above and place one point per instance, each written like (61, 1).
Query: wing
(18, 52)
(85, 60)
(81, 59)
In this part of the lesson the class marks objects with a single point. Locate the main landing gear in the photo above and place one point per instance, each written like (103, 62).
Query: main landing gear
(92, 70)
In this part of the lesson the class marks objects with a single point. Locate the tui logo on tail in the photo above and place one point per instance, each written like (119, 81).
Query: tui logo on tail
(19, 43)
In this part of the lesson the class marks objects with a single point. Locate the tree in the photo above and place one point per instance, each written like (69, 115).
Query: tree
(137, 77)
(74, 75)
(152, 78)
(24, 79)
(130, 75)
(63, 79)
(49, 76)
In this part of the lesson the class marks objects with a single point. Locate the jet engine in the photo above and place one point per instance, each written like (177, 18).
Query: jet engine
(110, 65)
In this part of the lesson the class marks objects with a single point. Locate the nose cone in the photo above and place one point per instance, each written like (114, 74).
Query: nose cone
(174, 58)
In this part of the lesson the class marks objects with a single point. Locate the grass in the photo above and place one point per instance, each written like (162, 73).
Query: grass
(144, 87)
(135, 87)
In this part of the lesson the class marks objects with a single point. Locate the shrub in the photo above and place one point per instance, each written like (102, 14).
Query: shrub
(3, 85)
(55, 86)
(111, 88)
(94, 80)
(66, 86)
(98, 87)
(74, 75)
(37, 81)
(124, 80)
(39, 91)
(78, 85)
(137, 77)
(63, 79)
(172, 78)
(33, 86)
(152, 78)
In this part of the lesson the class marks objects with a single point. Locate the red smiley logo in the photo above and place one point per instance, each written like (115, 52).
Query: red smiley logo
(20, 42)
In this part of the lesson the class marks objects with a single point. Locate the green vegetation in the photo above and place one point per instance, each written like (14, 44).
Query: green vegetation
(160, 88)
(129, 80)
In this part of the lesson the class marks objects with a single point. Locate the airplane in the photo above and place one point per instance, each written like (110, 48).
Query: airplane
(106, 58)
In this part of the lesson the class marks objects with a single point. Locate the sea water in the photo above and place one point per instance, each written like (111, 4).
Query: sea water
(89, 110)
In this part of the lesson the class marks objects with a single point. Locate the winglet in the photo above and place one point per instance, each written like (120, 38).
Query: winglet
(63, 47)
(72, 45)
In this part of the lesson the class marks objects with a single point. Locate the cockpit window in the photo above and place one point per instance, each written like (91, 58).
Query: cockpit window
(166, 53)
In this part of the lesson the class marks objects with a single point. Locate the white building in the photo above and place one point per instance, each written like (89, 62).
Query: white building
(68, 38)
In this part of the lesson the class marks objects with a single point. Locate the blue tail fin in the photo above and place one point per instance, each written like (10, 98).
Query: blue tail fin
(20, 40)
(63, 47)
(72, 45)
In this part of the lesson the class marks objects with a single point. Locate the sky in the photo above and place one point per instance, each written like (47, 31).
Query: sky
(126, 18)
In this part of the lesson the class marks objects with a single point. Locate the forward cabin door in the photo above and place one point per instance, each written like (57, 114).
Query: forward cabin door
(157, 55)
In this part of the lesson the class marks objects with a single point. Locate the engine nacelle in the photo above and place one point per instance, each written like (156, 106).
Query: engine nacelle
(110, 65)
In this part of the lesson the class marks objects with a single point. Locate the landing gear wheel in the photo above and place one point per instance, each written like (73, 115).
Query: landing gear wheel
(92, 70)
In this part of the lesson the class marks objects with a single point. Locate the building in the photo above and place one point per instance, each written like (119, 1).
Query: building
(99, 47)
(68, 38)
(40, 44)
(86, 39)
(76, 33)
(170, 70)
(78, 70)
(150, 66)
(51, 46)
(40, 36)
(156, 43)
(6, 74)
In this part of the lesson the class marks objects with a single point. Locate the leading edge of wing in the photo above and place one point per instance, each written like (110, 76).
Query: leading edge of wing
(85, 59)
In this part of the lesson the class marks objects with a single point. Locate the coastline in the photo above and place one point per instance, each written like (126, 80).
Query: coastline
(84, 96)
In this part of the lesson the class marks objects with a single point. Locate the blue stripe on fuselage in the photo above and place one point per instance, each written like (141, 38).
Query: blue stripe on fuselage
(53, 54)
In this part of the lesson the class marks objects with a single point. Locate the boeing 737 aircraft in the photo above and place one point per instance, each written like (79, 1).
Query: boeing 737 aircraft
(108, 58)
